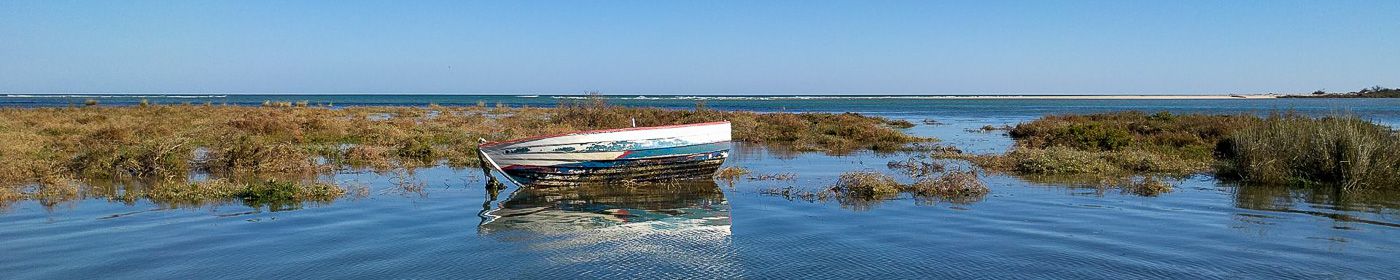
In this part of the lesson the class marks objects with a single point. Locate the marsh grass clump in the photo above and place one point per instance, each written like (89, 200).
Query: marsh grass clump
(955, 186)
(1147, 186)
(171, 192)
(275, 193)
(867, 185)
(1344, 151)
(1069, 161)
(865, 189)
(1186, 136)
(1113, 144)
(1284, 148)
(251, 154)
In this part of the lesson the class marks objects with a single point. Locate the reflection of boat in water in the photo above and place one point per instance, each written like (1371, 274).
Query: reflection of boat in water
(641, 154)
(649, 208)
(682, 230)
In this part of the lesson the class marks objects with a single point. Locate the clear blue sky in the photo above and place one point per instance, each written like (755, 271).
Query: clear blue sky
(699, 47)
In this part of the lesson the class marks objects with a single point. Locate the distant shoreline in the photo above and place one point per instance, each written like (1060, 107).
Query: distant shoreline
(683, 97)
(1109, 97)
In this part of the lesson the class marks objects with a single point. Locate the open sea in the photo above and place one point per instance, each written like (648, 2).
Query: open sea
(457, 227)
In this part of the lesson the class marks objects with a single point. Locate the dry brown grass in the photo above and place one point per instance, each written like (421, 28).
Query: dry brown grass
(166, 142)
(867, 185)
(956, 186)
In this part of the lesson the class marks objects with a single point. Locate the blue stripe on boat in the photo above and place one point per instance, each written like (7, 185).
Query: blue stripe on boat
(609, 146)
(674, 151)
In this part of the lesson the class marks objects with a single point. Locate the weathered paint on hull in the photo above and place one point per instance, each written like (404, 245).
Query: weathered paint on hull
(683, 167)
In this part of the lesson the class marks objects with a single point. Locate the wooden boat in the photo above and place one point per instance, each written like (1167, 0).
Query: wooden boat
(640, 154)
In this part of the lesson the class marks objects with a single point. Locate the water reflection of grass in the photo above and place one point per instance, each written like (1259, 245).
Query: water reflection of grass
(1146, 185)
(272, 193)
(1329, 202)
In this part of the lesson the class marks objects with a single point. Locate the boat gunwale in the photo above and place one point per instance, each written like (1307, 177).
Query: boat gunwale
(493, 144)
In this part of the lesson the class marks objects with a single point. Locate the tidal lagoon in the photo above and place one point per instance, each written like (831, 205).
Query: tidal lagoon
(445, 220)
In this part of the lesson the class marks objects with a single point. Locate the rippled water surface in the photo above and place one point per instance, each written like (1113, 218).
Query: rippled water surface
(459, 226)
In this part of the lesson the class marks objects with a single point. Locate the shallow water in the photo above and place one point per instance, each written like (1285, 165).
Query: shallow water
(454, 228)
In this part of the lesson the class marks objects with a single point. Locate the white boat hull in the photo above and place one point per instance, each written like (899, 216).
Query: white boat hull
(675, 152)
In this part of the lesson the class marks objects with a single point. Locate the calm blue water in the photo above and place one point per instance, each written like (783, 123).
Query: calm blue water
(455, 228)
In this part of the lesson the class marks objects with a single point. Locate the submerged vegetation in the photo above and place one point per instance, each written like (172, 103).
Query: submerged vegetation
(1280, 149)
(46, 148)
(916, 167)
(864, 189)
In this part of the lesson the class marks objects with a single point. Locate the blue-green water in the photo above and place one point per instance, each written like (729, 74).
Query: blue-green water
(1380, 109)
(454, 228)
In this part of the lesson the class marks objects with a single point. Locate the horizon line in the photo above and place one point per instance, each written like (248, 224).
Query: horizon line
(647, 94)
